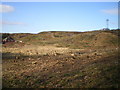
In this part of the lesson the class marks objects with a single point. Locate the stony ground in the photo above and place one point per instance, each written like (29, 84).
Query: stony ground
(55, 67)
(61, 60)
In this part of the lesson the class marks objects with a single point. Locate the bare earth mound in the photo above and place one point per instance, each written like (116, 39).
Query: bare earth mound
(62, 60)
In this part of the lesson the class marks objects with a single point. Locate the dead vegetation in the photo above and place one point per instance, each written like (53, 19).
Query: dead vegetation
(57, 65)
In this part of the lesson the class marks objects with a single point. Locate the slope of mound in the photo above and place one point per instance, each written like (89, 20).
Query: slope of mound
(90, 39)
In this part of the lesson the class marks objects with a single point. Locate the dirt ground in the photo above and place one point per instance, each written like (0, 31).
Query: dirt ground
(35, 66)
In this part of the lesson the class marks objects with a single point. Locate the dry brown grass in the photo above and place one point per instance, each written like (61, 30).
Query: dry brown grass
(54, 66)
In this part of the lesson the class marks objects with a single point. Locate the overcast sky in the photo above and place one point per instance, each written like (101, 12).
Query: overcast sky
(34, 17)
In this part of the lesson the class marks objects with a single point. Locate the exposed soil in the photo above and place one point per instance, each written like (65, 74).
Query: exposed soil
(49, 66)
(62, 60)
